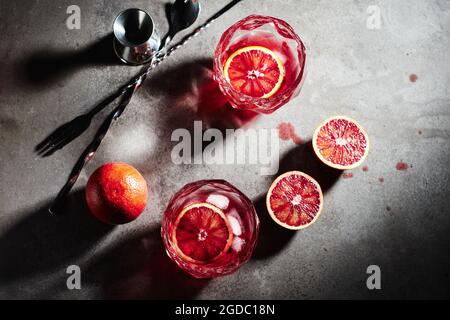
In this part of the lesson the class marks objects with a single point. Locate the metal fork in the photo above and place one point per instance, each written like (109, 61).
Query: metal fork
(73, 129)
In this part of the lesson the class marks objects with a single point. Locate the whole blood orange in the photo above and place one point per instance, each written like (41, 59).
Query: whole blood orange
(341, 143)
(116, 193)
(294, 200)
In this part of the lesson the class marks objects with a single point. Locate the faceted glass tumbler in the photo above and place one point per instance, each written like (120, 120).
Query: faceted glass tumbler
(239, 213)
(275, 35)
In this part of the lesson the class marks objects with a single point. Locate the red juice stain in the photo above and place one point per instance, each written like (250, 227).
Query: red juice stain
(381, 179)
(365, 168)
(413, 77)
(347, 175)
(213, 108)
(402, 166)
(286, 131)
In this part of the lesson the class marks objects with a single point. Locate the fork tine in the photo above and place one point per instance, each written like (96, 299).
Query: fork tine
(62, 136)
(58, 145)
(51, 143)
(53, 137)
(75, 132)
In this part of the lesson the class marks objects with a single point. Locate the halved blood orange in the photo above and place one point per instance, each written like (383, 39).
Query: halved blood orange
(294, 200)
(341, 143)
(202, 233)
(254, 71)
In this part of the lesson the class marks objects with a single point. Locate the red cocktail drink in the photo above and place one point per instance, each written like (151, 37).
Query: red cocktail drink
(210, 228)
(259, 64)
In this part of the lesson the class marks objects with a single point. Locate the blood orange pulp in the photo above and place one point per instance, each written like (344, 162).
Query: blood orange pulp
(254, 71)
(202, 233)
(294, 200)
(341, 143)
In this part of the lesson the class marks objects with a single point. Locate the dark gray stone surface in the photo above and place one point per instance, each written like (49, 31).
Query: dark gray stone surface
(50, 74)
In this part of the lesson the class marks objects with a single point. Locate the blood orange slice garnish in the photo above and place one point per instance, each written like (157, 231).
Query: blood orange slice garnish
(294, 200)
(202, 233)
(255, 71)
(341, 143)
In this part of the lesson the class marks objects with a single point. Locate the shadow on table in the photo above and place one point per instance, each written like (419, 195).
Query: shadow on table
(41, 242)
(410, 246)
(139, 268)
(190, 94)
(273, 238)
(190, 91)
(47, 66)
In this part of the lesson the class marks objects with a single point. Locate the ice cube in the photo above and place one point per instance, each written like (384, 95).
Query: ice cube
(235, 225)
(237, 244)
(218, 200)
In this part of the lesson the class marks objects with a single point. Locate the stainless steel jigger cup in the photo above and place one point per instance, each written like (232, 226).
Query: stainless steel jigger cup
(136, 40)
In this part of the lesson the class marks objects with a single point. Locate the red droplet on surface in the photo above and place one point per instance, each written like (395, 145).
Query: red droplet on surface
(402, 166)
(365, 168)
(413, 77)
(297, 139)
(286, 131)
(381, 179)
(347, 175)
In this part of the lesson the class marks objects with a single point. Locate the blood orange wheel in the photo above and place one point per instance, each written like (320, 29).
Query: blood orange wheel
(341, 143)
(202, 233)
(294, 200)
(255, 71)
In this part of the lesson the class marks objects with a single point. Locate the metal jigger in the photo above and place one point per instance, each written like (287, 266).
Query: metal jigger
(136, 40)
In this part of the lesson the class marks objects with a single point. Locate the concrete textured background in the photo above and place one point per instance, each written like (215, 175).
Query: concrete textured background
(50, 74)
